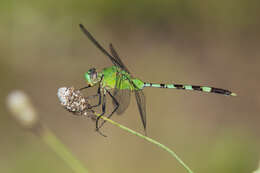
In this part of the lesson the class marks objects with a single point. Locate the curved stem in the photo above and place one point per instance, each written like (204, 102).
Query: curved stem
(172, 153)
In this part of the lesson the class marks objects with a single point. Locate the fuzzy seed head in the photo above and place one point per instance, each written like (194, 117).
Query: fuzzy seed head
(74, 101)
(21, 108)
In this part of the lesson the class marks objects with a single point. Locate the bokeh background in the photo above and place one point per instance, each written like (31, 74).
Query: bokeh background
(213, 43)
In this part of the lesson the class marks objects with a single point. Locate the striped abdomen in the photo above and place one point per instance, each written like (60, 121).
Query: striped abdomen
(192, 87)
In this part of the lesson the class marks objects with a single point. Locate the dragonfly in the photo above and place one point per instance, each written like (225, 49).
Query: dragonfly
(117, 82)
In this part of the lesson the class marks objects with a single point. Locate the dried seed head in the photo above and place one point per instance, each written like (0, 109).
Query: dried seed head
(20, 106)
(74, 101)
(62, 94)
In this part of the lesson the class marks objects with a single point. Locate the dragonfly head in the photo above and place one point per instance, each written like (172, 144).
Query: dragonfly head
(92, 77)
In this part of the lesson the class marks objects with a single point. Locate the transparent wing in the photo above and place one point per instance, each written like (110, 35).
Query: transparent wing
(95, 42)
(140, 100)
(122, 96)
(139, 95)
(118, 59)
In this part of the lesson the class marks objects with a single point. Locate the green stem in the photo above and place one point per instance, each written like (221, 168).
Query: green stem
(172, 153)
(53, 142)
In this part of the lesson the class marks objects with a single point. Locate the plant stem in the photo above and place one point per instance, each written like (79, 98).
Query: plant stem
(172, 153)
(60, 149)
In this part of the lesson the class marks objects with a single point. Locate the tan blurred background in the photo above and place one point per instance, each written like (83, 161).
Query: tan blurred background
(213, 43)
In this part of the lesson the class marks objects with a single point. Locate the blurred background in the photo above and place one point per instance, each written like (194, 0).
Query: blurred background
(214, 43)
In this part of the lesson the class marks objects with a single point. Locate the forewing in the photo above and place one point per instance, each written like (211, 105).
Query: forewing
(96, 43)
(122, 96)
(140, 100)
(118, 59)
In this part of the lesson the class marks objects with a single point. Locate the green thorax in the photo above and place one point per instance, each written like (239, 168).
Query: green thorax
(114, 74)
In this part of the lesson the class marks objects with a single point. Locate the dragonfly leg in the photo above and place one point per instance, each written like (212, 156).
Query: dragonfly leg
(117, 105)
(103, 111)
(88, 86)
(96, 95)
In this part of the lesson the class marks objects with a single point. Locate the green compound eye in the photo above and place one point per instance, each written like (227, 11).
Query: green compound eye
(87, 77)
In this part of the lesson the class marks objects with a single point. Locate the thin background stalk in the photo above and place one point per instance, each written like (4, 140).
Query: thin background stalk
(61, 150)
(26, 115)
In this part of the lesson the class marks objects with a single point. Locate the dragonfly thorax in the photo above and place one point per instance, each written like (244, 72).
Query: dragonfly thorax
(114, 77)
(92, 77)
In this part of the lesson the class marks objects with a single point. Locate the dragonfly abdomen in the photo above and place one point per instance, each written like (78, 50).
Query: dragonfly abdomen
(192, 88)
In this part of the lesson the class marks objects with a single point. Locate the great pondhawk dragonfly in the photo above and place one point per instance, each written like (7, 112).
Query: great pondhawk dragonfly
(119, 79)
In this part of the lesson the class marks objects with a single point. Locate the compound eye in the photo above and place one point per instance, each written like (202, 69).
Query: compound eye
(93, 74)
(91, 71)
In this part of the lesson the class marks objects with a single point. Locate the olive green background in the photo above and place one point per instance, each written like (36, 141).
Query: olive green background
(213, 43)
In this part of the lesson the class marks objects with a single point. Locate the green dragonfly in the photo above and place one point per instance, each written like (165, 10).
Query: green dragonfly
(119, 79)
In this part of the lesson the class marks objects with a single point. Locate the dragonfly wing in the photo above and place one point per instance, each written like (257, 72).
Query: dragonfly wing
(118, 59)
(139, 95)
(96, 43)
(140, 100)
(122, 96)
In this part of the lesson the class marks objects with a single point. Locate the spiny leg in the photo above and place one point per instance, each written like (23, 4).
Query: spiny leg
(103, 110)
(99, 102)
(96, 95)
(117, 106)
(88, 86)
